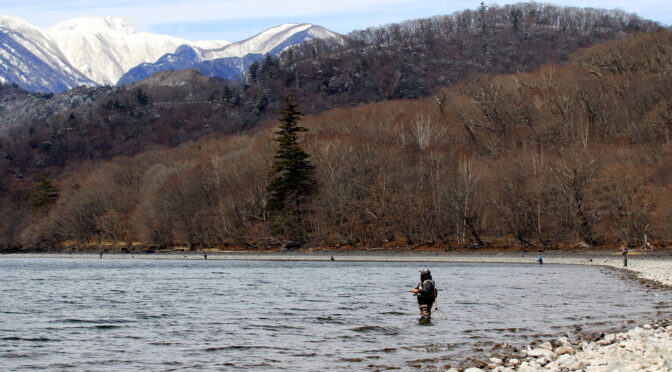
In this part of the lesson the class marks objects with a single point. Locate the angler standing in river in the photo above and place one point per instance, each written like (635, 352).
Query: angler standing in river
(426, 293)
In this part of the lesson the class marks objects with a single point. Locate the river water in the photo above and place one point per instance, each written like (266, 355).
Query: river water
(120, 315)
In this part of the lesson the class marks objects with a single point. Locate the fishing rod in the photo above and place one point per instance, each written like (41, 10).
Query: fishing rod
(403, 291)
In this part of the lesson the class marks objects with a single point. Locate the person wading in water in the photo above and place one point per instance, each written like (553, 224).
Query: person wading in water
(426, 293)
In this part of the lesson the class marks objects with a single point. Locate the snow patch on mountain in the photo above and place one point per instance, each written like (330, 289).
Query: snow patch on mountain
(270, 40)
(33, 60)
(231, 61)
(105, 48)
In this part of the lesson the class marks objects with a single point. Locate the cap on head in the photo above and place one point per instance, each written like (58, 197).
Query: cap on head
(425, 272)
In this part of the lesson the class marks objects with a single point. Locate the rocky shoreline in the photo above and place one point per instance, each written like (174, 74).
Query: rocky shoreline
(645, 348)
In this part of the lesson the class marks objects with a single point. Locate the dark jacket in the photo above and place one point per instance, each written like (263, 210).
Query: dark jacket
(427, 293)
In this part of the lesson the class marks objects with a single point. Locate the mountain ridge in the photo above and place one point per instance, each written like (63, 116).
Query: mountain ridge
(25, 49)
(104, 48)
(101, 50)
(231, 61)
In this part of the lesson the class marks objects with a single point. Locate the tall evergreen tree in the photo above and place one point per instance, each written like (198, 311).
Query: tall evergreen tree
(292, 176)
(44, 192)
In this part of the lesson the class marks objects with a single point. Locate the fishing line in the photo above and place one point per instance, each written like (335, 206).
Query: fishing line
(436, 308)
(445, 317)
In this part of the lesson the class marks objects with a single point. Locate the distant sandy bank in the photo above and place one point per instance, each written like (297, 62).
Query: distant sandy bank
(655, 266)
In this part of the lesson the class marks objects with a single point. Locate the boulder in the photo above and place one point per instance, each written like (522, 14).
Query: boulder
(543, 361)
(527, 369)
(540, 353)
(573, 365)
(562, 350)
(495, 361)
(564, 341)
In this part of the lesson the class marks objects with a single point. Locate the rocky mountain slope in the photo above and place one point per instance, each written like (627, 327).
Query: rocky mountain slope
(232, 60)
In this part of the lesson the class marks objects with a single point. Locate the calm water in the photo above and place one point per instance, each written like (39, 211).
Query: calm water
(117, 315)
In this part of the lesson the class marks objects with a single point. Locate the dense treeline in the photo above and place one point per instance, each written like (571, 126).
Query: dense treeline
(572, 154)
(414, 58)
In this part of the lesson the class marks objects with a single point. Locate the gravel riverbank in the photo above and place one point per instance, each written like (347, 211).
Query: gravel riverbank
(645, 348)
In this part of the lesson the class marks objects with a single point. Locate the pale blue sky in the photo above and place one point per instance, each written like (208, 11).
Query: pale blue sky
(235, 20)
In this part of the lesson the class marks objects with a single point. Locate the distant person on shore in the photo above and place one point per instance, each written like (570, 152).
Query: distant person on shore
(624, 252)
(426, 293)
(540, 260)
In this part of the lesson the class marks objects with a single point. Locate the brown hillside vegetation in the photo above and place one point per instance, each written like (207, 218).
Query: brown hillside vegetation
(57, 135)
(563, 155)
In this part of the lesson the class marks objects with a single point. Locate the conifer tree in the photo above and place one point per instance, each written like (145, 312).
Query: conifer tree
(44, 192)
(292, 181)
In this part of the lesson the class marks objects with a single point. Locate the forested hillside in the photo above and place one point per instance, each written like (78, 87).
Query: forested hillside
(414, 58)
(408, 60)
(64, 135)
(564, 155)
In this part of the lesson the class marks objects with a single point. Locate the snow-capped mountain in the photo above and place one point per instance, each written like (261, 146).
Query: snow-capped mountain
(186, 57)
(231, 61)
(102, 50)
(32, 60)
(272, 41)
(105, 48)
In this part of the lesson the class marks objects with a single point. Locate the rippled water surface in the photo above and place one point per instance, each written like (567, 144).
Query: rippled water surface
(114, 315)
